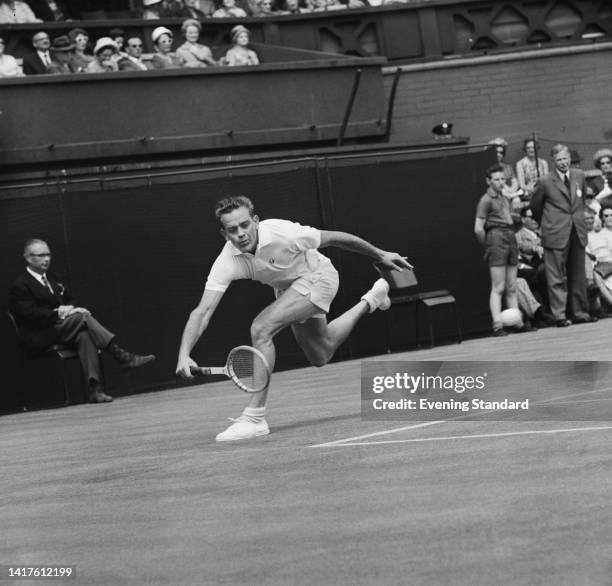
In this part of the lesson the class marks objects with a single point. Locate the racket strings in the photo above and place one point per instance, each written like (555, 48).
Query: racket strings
(249, 368)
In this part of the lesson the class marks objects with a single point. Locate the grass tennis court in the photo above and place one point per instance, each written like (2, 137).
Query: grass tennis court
(138, 492)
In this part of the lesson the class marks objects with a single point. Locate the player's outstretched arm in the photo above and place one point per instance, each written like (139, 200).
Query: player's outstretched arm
(195, 327)
(389, 260)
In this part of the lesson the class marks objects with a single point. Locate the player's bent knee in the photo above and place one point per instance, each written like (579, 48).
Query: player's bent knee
(260, 332)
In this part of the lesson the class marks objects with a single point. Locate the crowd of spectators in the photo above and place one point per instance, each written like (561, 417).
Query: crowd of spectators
(576, 211)
(22, 11)
(73, 53)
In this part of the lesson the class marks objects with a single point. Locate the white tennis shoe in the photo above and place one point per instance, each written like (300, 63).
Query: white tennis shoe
(378, 296)
(243, 428)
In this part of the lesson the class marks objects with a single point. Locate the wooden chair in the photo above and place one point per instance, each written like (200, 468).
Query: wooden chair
(404, 292)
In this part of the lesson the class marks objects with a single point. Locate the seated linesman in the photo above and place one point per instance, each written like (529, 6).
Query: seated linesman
(45, 315)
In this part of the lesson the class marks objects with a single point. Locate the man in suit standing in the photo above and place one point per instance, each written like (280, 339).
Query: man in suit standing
(41, 59)
(45, 315)
(558, 206)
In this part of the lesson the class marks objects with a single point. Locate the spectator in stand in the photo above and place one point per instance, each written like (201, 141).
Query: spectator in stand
(531, 255)
(8, 64)
(82, 57)
(41, 59)
(16, 12)
(240, 54)
(600, 246)
(601, 185)
(106, 57)
(152, 9)
(134, 61)
(598, 294)
(527, 172)
(265, 8)
(191, 52)
(295, 7)
(229, 9)
(164, 58)
(558, 206)
(191, 9)
(63, 56)
(118, 35)
(52, 10)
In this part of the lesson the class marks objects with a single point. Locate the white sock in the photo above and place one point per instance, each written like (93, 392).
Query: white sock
(254, 414)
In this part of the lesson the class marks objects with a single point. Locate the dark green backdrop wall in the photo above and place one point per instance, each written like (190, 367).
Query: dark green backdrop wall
(137, 253)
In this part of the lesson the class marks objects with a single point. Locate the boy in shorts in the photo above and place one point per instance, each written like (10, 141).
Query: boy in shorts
(285, 256)
(494, 230)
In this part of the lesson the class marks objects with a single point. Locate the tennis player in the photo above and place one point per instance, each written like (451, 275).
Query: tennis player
(284, 255)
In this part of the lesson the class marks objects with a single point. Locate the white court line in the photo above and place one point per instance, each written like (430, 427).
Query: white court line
(458, 437)
(386, 432)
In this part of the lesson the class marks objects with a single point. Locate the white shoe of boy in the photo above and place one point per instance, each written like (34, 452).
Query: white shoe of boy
(378, 296)
(244, 428)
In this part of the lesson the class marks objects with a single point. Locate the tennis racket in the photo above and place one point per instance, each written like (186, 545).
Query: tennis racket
(247, 367)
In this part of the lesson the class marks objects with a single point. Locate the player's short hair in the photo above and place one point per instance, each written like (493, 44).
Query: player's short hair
(229, 204)
(559, 148)
(494, 169)
(26, 246)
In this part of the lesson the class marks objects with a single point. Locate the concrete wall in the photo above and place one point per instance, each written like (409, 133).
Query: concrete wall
(562, 95)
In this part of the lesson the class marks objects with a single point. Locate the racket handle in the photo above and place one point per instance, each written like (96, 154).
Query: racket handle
(206, 370)
(199, 370)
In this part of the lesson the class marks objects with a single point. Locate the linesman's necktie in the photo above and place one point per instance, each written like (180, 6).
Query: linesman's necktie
(46, 283)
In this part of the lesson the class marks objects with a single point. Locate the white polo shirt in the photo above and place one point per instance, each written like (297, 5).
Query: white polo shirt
(285, 251)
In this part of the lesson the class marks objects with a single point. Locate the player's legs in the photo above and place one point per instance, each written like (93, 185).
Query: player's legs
(294, 308)
(319, 340)
(291, 307)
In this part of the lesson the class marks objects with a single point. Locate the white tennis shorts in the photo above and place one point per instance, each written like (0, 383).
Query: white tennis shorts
(319, 286)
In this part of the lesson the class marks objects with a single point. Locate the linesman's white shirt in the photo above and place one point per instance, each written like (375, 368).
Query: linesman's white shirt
(285, 251)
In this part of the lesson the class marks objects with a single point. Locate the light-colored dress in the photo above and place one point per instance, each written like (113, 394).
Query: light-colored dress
(527, 173)
(166, 61)
(19, 13)
(194, 54)
(9, 67)
(237, 56)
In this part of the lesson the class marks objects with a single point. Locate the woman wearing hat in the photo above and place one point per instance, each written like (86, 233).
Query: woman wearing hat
(106, 55)
(191, 52)
(8, 64)
(240, 54)
(164, 58)
(152, 9)
(80, 38)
